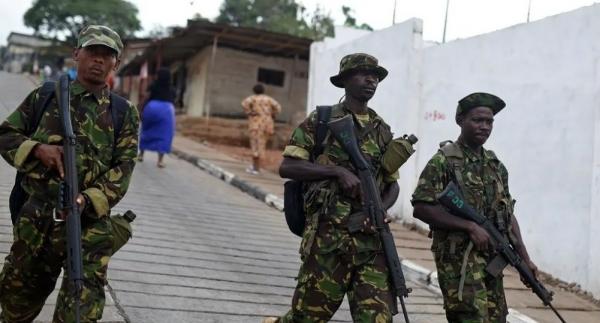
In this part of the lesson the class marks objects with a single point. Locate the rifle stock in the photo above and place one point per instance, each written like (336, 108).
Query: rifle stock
(454, 202)
(69, 191)
(343, 131)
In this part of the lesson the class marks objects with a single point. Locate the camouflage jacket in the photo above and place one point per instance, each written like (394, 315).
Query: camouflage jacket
(327, 208)
(104, 170)
(482, 178)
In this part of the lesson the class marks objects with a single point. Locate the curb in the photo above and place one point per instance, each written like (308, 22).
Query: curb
(271, 200)
(411, 269)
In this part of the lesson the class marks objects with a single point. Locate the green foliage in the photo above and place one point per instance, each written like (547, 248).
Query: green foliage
(351, 21)
(54, 18)
(284, 16)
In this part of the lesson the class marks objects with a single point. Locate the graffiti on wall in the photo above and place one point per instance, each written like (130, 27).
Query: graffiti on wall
(435, 115)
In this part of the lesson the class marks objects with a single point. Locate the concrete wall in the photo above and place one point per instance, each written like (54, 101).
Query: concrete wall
(548, 136)
(546, 72)
(232, 77)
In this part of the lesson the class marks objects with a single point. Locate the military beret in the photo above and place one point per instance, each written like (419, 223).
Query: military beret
(357, 61)
(479, 99)
(100, 35)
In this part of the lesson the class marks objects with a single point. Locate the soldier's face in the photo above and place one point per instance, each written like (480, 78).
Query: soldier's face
(94, 63)
(361, 85)
(476, 125)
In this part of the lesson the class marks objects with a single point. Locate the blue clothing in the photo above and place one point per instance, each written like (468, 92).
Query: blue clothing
(158, 126)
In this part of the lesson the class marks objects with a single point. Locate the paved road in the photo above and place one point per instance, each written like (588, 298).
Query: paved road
(202, 250)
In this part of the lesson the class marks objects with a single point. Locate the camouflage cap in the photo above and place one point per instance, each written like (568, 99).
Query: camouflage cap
(357, 61)
(100, 35)
(479, 99)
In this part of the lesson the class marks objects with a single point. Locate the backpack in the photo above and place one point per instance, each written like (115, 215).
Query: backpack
(118, 107)
(293, 192)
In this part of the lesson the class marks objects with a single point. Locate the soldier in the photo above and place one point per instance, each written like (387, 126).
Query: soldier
(336, 262)
(261, 109)
(104, 164)
(460, 247)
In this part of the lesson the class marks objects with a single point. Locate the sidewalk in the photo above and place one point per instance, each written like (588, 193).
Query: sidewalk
(413, 247)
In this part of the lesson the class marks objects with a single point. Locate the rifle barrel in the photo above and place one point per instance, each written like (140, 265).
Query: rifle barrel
(404, 310)
(343, 131)
(557, 314)
(455, 203)
(71, 185)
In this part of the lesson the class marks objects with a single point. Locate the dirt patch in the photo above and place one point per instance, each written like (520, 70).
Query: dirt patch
(231, 137)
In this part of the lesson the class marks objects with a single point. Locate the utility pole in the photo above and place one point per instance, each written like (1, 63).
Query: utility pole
(394, 14)
(445, 21)
(528, 11)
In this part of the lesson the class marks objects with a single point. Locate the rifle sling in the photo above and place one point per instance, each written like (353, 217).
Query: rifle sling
(463, 270)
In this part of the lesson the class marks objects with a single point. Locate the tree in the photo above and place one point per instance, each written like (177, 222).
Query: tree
(65, 18)
(351, 21)
(284, 16)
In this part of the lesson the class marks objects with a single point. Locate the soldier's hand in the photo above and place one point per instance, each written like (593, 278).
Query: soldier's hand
(370, 226)
(480, 237)
(350, 183)
(51, 156)
(81, 202)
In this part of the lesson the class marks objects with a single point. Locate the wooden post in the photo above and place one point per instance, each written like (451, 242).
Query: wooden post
(208, 77)
(158, 58)
(292, 77)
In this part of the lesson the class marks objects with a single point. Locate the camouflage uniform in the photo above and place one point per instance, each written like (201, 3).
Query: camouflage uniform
(335, 261)
(260, 109)
(471, 295)
(104, 171)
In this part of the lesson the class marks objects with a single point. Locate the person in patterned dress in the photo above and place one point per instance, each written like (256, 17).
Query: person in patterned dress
(261, 110)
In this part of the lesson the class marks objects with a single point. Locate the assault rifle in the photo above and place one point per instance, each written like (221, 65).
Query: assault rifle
(343, 131)
(452, 199)
(69, 190)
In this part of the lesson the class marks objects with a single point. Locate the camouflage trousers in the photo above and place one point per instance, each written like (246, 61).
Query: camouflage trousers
(324, 279)
(34, 263)
(475, 298)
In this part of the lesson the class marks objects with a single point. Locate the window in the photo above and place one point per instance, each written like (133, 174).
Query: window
(270, 77)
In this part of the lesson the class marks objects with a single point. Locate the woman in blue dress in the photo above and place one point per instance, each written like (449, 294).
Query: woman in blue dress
(158, 118)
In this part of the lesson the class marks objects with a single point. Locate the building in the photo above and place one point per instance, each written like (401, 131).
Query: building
(27, 53)
(133, 47)
(215, 66)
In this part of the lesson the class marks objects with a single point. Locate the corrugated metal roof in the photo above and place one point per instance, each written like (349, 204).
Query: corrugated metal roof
(200, 34)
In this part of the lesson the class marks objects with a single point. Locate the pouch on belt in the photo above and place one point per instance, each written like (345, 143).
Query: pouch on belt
(121, 229)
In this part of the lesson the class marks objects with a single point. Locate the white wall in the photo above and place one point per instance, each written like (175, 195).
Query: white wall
(548, 137)
(546, 73)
